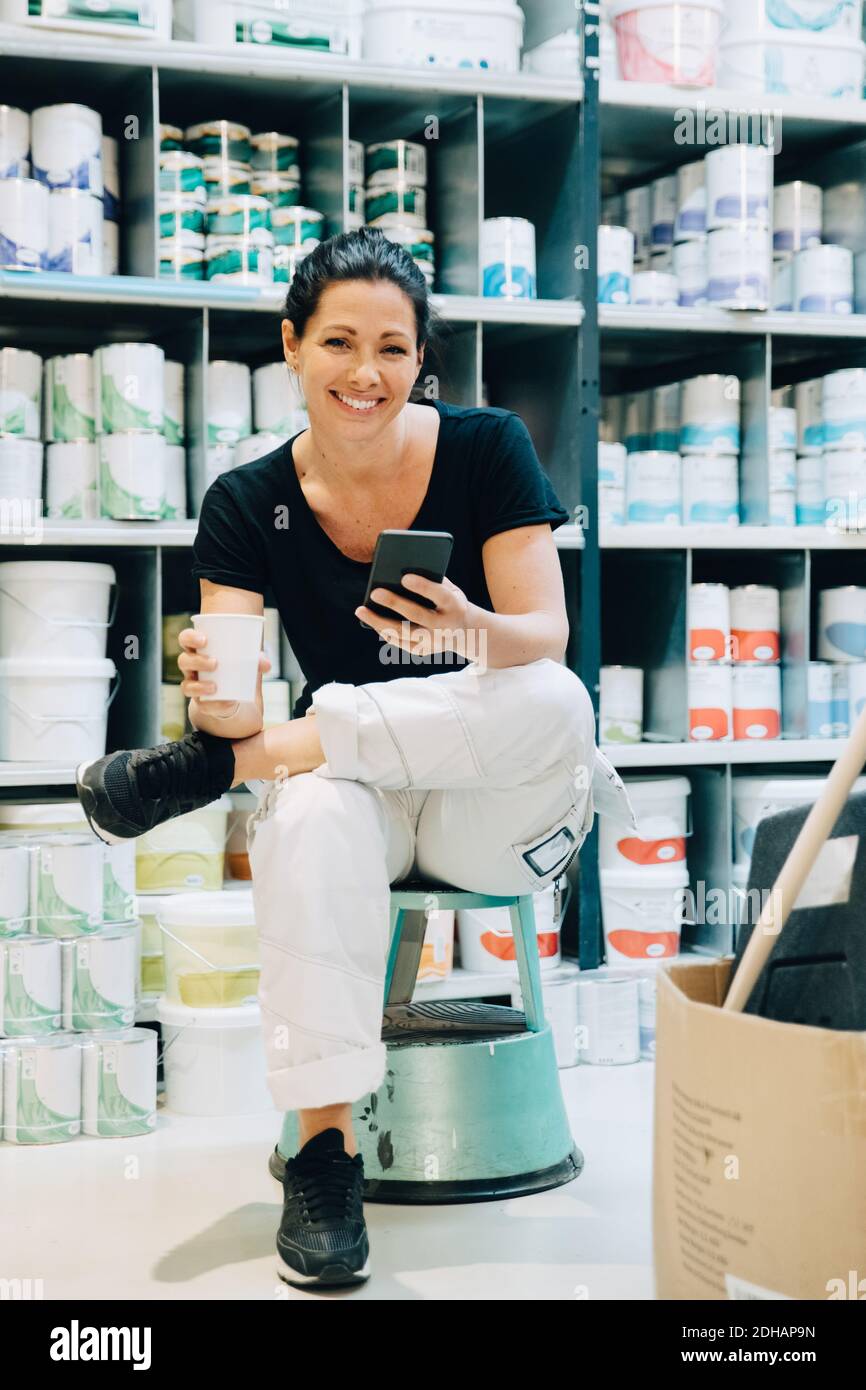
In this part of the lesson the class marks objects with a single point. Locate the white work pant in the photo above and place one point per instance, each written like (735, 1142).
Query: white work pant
(484, 779)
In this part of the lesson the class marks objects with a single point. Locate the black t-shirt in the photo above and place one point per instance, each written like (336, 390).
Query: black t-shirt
(256, 531)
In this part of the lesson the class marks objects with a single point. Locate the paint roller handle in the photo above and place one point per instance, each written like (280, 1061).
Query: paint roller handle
(798, 865)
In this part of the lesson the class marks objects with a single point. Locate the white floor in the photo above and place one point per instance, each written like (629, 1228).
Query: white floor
(191, 1212)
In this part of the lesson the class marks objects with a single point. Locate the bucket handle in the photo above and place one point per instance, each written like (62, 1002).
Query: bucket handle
(66, 622)
(255, 965)
(62, 719)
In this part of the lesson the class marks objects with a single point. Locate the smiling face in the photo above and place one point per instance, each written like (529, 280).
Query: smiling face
(358, 358)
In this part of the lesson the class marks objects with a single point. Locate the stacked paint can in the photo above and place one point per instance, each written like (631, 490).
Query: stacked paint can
(51, 189)
(676, 43)
(229, 414)
(129, 400)
(710, 448)
(620, 704)
(239, 239)
(615, 264)
(843, 438)
(739, 185)
(799, 47)
(734, 676)
(20, 443)
(395, 198)
(611, 483)
(837, 680)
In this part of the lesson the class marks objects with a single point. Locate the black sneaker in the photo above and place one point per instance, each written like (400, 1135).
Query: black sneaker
(322, 1238)
(127, 793)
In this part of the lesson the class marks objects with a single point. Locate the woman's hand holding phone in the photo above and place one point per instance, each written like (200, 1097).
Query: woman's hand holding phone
(422, 630)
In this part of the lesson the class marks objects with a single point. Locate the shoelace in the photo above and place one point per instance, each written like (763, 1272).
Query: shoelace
(175, 769)
(324, 1193)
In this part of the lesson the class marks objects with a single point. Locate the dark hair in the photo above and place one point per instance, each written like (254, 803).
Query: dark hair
(366, 254)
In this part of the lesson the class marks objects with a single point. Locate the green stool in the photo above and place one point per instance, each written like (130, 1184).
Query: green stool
(471, 1107)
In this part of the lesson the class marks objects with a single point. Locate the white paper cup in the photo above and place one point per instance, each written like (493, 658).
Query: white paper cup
(234, 640)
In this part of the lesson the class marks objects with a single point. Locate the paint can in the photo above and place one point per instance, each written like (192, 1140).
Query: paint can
(74, 232)
(118, 883)
(842, 623)
(824, 280)
(611, 464)
(300, 227)
(656, 289)
(275, 153)
(279, 190)
(15, 855)
(14, 143)
(738, 267)
(820, 712)
(739, 182)
(182, 260)
(224, 179)
(20, 392)
(783, 506)
(20, 470)
(611, 504)
(841, 698)
(845, 485)
(241, 216)
(559, 1002)
(239, 261)
(711, 492)
(757, 694)
(72, 480)
(70, 404)
(856, 671)
(755, 623)
(23, 224)
(782, 470)
(100, 975)
(277, 399)
(181, 218)
(783, 427)
(118, 1082)
(663, 210)
(30, 1001)
(654, 487)
(691, 270)
(637, 421)
(843, 409)
(608, 1030)
(393, 160)
(67, 888)
(621, 704)
(66, 147)
(507, 257)
(709, 619)
(170, 137)
(41, 1090)
(219, 458)
(690, 222)
(710, 696)
(810, 503)
(615, 264)
(182, 175)
(129, 387)
(229, 398)
(710, 415)
(286, 261)
(227, 140)
(796, 215)
(110, 179)
(173, 411)
(807, 397)
(174, 506)
(132, 475)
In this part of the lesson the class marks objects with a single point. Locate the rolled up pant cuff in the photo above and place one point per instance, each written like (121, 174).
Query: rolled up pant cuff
(336, 708)
(330, 1080)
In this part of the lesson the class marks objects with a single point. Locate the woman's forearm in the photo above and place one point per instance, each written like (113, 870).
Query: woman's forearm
(513, 639)
(245, 720)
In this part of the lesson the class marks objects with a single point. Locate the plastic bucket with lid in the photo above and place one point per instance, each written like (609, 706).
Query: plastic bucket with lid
(184, 854)
(487, 941)
(661, 808)
(214, 1060)
(642, 919)
(444, 33)
(54, 710)
(793, 62)
(211, 949)
(755, 798)
(58, 815)
(51, 609)
(668, 40)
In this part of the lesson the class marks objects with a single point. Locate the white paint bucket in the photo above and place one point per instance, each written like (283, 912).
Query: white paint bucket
(20, 392)
(783, 507)
(30, 997)
(810, 508)
(404, 204)
(487, 941)
(663, 210)
(711, 490)
(185, 853)
(637, 206)
(118, 1082)
(611, 464)
(54, 710)
(395, 161)
(129, 387)
(757, 698)
(300, 227)
(810, 435)
(70, 402)
(172, 706)
(56, 606)
(72, 480)
(738, 267)
(132, 475)
(824, 280)
(654, 487)
(710, 415)
(238, 261)
(334, 28)
(815, 18)
(691, 215)
(709, 622)
(856, 672)
(692, 271)
(782, 427)
(845, 483)
(66, 147)
(118, 883)
(558, 56)
(214, 1060)
(100, 979)
(661, 811)
(843, 409)
(739, 184)
(710, 695)
(74, 231)
(133, 19)
(507, 257)
(180, 261)
(755, 623)
(277, 399)
(820, 709)
(608, 1031)
(228, 139)
(174, 506)
(14, 142)
(20, 470)
(783, 471)
(229, 397)
(652, 287)
(173, 403)
(41, 1090)
(17, 818)
(611, 504)
(755, 798)
(559, 1004)
(452, 34)
(23, 224)
(68, 887)
(620, 704)
(256, 446)
(182, 174)
(797, 215)
(670, 41)
(14, 887)
(642, 920)
(244, 216)
(795, 64)
(666, 417)
(842, 623)
(219, 458)
(615, 264)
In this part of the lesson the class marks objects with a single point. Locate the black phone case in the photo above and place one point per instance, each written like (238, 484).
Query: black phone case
(407, 552)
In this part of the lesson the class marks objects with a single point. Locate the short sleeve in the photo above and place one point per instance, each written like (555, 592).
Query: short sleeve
(512, 488)
(224, 549)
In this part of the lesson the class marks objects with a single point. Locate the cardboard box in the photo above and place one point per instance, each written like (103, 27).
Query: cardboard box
(759, 1149)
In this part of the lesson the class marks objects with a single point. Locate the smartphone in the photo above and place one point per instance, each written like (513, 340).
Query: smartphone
(407, 552)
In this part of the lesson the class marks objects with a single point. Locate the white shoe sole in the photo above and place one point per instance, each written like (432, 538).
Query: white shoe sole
(292, 1276)
(105, 836)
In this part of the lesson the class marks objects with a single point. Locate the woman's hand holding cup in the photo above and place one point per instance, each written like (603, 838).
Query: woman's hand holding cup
(196, 665)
